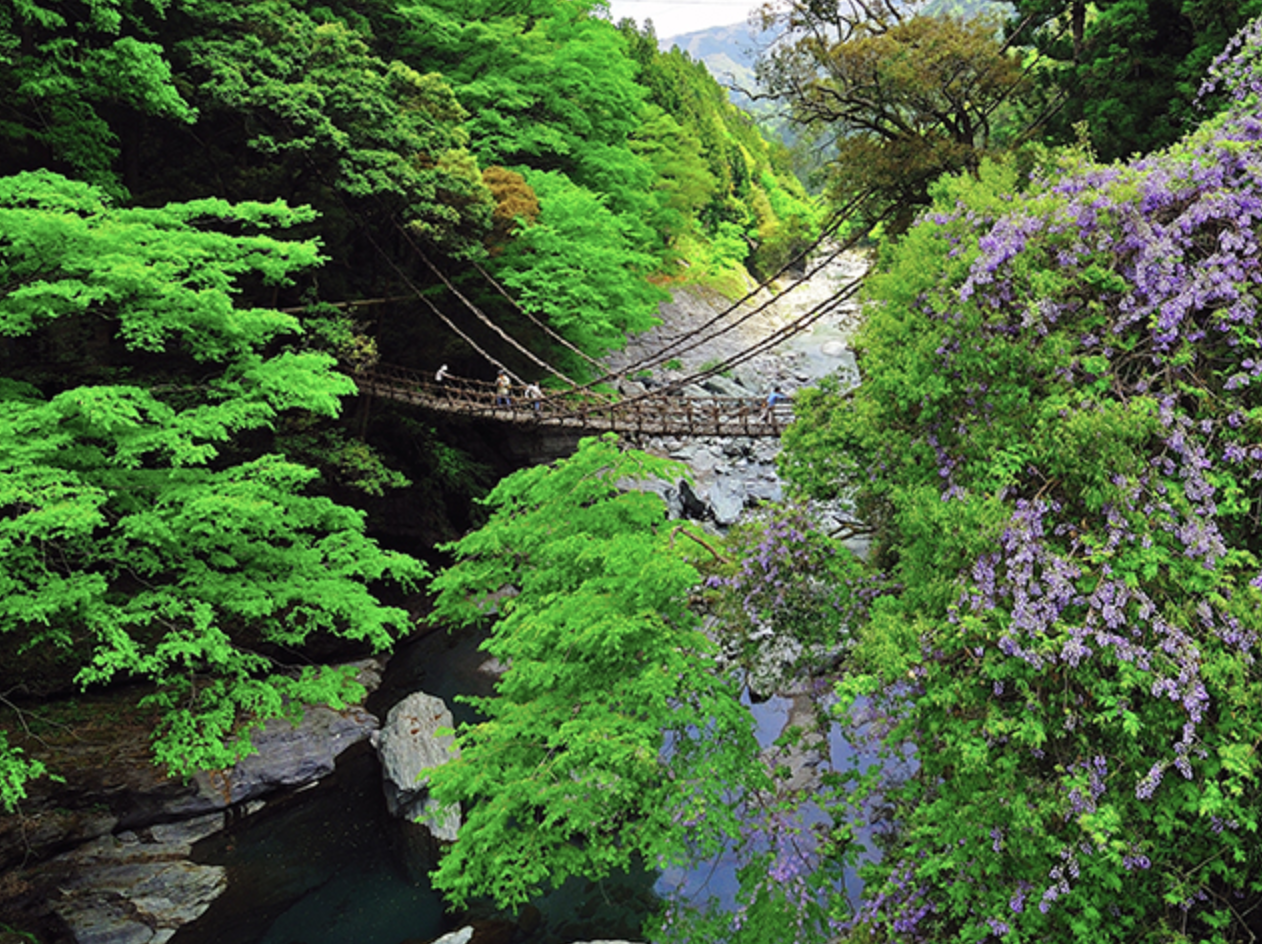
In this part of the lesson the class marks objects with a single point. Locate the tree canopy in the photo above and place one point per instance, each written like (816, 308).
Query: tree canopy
(613, 740)
(148, 530)
(904, 96)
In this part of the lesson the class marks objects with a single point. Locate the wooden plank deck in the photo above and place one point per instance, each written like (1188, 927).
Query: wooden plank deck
(641, 416)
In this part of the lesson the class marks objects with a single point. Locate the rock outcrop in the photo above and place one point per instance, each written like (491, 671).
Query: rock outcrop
(107, 850)
(288, 756)
(408, 745)
(135, 887)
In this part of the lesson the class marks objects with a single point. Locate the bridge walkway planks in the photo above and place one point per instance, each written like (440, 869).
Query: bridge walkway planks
(661, 415)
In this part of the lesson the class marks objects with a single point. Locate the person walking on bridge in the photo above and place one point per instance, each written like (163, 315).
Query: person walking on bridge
(769, 409)
(533, 394)
(502, 388)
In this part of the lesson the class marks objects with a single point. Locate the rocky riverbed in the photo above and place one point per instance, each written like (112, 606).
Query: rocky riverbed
(731, 474)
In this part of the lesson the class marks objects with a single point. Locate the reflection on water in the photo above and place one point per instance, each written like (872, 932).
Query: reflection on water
(320, 867)
(716, 879)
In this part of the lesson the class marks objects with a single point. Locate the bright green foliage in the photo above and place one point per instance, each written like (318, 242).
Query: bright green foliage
(745, 191)
(15, 771)
(140, 533)
(547, 86)
(683, 184)
(612, 740)
(577, 267)
(64, 67)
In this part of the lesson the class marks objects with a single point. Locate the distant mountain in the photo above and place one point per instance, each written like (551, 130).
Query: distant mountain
(729, 52)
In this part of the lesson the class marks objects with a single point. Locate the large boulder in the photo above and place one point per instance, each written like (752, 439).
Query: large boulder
(721, 386)
(288, 755)
(727, 499)
(409, 745)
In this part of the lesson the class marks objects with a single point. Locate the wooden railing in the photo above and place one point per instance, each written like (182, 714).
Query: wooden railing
(663, 415)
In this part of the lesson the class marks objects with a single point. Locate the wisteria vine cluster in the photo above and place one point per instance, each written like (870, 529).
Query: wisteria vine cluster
(1062, 406)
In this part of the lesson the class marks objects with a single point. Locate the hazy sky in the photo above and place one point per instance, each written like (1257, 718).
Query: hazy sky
(672, 17)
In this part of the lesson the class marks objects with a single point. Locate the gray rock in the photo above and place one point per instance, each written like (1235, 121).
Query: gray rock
(691, 506)
(727, 499)
(136, 888)
(288, 755)
(804, 756)
(684, 453)
(724, 387)
(463, 936)
(833, 349)
(765, 488)
(774, 666)
(749, 378)
(492, 666)
(408, 745)
(765, 451)
(668, 493)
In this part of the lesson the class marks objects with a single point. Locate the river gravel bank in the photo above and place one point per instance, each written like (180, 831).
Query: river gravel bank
(731, 474)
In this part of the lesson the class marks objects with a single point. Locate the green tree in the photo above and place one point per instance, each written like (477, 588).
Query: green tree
(577, 267)
(147, 530)
(68, 70)
(1131, 69)
(612, 741)
(313, 113)
(547, 85)
(906, 97)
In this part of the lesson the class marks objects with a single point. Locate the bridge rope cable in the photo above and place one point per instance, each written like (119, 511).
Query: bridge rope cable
(836, 219)
(479, 314)
(799, 324)
(676, 345)
(536, 321)
(693, 339)
(417, 292)
(367, 230)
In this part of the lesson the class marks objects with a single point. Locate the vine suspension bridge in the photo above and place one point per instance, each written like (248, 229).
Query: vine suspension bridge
(664, 410)
(651, 415)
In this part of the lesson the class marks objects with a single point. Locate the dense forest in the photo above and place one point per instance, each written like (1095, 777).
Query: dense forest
(212, 214)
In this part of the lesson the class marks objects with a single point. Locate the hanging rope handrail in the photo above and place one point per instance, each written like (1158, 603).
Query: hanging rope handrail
(481, 315)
